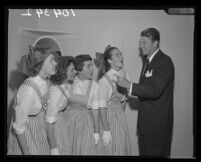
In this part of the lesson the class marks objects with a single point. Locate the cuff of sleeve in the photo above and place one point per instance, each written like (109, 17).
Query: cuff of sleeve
(95, 105)
(18, 129)
(130, 90)
(106, 132)
(50, 119)
(102, 104)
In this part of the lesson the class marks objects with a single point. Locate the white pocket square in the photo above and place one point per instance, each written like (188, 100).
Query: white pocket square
(148, 74)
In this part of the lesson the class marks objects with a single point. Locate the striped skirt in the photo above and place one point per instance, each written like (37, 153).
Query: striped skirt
(61, 132)
(35, 135)
(80, 131)
(121, 143)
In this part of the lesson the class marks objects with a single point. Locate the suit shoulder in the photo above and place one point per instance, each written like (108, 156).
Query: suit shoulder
(166, 59)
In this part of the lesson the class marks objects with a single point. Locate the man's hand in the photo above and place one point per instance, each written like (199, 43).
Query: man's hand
(123, 82)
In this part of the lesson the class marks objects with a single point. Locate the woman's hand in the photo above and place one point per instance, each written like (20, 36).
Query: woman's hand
(107, 137)
(96, 138)
(55, 151)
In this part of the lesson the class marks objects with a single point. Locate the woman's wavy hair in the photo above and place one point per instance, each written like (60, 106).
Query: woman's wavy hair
(36, 58)
(62, 67)
(80, 59)
(102, 61)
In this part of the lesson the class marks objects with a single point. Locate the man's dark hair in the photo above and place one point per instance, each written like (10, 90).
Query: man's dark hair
(151, 33)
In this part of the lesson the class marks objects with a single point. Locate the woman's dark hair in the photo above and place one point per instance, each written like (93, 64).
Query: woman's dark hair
(36, 58)
(62, 67)
(80, 59)
(105, 65)
(151, 33)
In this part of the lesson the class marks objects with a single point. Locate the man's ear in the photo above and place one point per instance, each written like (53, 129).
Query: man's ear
(156, 44)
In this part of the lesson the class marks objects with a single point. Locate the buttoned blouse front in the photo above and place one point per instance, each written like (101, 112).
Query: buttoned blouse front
(28, 102)
(57, 101)
(105, 89)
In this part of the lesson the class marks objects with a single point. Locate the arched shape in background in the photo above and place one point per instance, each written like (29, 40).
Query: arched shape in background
(48, 41)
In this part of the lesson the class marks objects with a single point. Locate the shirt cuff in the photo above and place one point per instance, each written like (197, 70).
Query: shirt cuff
(102, 104)
(50, 119)
(94, 105)
(130, 90)
(18, 129)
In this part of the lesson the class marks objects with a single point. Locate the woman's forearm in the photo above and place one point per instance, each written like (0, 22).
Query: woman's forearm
(50, 128)
(103, 117)
(95, 117)
(23, 144)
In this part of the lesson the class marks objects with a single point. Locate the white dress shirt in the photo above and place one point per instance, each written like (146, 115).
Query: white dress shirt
(28, 103)
(57, 101)
(150, 59)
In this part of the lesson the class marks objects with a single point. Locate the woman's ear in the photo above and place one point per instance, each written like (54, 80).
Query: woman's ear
(110, 61)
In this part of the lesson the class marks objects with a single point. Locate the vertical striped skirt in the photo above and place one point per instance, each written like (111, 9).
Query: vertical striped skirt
(35, 136)
(80, 131)
(61, 134)
(121, 143)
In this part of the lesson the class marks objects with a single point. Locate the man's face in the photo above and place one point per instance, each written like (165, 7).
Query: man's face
(87, 70)
(146, 45)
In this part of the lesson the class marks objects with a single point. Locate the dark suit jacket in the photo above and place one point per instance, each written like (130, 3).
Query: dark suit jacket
(155, 93)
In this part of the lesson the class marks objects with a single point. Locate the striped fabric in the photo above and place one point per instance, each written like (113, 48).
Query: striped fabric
(61, 130)
(121, 143)
(80, 125)
(35, 131)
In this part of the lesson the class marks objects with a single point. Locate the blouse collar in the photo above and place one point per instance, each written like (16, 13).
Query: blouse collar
(113, 74)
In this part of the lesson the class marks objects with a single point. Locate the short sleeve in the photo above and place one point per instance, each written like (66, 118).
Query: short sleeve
(103, 93)
(24, 103)
(53, 104)
(93, 97)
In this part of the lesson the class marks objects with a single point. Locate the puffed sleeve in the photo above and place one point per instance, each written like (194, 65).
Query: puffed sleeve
(128, 76)
(103, 93)
(24, 103)
(53, 104)
(93, 97)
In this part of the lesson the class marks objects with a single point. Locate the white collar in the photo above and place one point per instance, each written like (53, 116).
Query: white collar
(113, 74)
(39, 80)
(77, 80)
(151, 57)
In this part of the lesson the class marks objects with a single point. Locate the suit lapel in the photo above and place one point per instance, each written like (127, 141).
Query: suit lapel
(151, 65)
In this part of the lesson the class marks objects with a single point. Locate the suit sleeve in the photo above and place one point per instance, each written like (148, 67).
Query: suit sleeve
(160, 78)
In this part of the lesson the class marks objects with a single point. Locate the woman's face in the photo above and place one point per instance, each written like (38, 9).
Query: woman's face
(87, 70)
(116, 58)
(71, 72)
(49, 65)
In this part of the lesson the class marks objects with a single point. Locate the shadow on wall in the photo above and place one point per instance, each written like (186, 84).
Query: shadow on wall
(16, 79)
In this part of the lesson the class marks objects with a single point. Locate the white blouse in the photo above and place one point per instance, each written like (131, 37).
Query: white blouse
(57, 101)
(105, 89)
(81, 86)
(28, 103)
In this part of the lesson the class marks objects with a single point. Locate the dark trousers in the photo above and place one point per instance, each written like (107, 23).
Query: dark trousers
(154, 146)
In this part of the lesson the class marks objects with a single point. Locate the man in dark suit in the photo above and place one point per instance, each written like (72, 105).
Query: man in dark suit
(155, 93)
